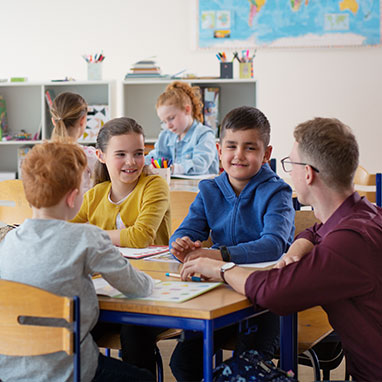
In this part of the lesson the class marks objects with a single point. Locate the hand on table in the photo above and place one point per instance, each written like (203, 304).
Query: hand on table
(209, 269)
(182, 246)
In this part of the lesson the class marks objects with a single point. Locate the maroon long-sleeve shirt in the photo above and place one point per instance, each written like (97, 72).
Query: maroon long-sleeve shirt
(343, 273)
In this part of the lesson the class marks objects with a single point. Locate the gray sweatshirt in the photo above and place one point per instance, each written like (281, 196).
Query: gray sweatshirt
(61, 257)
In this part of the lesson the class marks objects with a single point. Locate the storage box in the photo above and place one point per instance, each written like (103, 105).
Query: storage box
(94, 71)
(226, 70)
(246, 70)
(163, 172)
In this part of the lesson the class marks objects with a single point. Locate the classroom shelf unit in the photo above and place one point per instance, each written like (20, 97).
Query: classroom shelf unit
(27, 110)
(140, 96)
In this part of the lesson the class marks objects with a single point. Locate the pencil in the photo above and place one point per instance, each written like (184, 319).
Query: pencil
(177, 275)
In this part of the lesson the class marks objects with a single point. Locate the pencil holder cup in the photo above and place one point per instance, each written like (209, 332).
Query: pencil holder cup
(226, 70)
(163, 172)
(94, 71)
(246, 70)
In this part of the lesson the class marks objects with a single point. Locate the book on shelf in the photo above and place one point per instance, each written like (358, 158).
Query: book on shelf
(3, 117)
(144, 69)
(210, 96)
(21, 154)
(49, 96)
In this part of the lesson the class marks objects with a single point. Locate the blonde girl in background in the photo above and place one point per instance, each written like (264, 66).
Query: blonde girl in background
(185, 141)
(129, 203)
(69, 112)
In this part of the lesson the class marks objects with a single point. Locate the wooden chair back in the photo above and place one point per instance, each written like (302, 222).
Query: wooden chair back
(368, 185)
(18, 302)
(180, 202)
(304, 219)
(14, 207)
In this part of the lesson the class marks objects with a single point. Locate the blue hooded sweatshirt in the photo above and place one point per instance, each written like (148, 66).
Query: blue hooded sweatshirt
(256, 226)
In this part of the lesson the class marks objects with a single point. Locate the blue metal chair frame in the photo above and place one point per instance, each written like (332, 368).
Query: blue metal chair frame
(77, 344)
(288, 331)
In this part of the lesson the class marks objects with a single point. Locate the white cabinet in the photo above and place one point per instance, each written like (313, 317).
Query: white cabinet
(27, 110)
(140, 96)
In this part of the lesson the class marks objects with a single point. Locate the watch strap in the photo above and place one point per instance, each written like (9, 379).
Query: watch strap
(223, 270)
(226, 256)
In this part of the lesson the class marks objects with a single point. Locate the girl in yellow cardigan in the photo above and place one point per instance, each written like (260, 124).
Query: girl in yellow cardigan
(131, 205)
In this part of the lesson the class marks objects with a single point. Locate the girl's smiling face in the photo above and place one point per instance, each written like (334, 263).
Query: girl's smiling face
(124, 159)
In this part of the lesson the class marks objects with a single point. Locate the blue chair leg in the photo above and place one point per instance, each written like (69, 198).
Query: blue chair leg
(107, 352)
(218, 357)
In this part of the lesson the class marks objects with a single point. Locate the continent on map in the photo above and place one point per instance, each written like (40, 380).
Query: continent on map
(296, 4)
(254, 8)
(352, 5)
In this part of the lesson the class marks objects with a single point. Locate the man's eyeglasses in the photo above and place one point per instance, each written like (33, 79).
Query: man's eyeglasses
(287, 165)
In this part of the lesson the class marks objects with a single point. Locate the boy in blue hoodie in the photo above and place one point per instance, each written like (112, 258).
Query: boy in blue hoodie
(248, 213)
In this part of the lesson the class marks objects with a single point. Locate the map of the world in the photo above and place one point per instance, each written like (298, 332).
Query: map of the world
(289, 23)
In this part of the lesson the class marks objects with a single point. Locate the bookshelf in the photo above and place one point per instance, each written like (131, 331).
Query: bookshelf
(27, 110)
(139, 97)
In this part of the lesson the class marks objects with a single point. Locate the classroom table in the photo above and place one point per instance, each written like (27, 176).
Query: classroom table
(215, 309)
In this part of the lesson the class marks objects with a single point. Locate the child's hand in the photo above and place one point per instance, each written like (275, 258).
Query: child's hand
(203, 252)
(182, 246)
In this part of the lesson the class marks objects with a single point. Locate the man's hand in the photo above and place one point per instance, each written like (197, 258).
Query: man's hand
(296, 252)
(209, 269)
(182, 246)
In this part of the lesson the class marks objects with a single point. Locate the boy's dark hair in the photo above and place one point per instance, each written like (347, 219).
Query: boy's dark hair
(112, 128)
(245, 118)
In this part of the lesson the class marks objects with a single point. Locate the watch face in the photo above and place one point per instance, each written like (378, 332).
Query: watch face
(227, 266)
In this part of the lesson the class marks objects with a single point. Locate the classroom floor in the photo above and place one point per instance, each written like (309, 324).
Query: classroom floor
(305, 372)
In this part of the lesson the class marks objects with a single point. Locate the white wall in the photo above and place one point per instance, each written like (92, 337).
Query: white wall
(44, 39)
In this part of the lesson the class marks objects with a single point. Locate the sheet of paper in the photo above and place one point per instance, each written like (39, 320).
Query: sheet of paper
(103, 288)
(166, 257)
(259, 265)
(179, 291)
(138, 253)
(198, 177)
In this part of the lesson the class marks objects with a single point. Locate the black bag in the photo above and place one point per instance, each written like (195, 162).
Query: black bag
(250, 366)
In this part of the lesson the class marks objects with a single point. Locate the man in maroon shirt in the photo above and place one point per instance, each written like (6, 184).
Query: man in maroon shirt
(336, 264)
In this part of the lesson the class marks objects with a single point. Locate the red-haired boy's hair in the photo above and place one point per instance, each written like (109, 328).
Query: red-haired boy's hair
(50, 170)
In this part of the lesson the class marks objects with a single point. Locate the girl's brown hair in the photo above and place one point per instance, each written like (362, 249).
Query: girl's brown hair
(112, 128)
(181, 94)
(66, 110)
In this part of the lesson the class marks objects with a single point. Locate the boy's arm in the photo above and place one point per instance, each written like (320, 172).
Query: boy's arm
(204, 154)
(103, 258)
(277, 232)
(155, 203)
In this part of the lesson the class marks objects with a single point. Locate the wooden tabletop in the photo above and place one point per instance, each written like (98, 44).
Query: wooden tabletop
(212, 304)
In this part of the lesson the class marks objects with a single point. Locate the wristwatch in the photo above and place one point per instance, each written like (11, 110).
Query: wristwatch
(225, 268)
(226, 256)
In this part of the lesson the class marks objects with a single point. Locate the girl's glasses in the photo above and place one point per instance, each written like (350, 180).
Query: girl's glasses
(287, 165)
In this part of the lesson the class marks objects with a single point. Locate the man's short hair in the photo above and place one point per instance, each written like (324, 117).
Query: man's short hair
(246, 118)
(331, 147)
(50, 170)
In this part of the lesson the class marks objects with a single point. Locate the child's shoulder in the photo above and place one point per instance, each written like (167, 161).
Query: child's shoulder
(152, 180)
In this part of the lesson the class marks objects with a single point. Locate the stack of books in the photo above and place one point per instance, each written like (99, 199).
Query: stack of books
(145, 69)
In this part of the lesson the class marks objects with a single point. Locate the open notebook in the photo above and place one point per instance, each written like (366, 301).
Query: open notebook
(170, 291)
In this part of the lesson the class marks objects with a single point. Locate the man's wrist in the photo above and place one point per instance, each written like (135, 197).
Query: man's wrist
(226, 256)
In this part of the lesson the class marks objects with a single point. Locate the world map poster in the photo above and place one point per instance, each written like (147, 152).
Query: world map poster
(288, 23)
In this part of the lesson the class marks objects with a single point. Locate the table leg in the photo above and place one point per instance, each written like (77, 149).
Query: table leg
(288, 343)
(208, 350)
